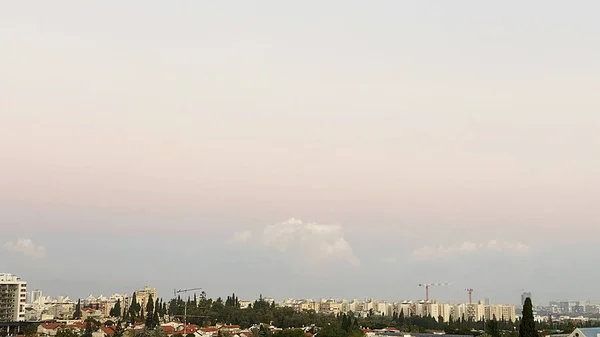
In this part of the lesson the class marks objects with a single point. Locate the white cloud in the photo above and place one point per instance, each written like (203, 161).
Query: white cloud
(467, 247)
(391, 260)
(242, 237)
(319, 241)
(27, 247)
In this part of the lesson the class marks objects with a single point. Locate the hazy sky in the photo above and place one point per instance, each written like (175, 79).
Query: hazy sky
(302, 149)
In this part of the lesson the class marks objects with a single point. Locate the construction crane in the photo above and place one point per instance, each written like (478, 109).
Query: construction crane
(185, 291)
(470, 291)
(427, 285)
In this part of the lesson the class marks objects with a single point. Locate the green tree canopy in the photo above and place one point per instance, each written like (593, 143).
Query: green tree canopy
(527, 327)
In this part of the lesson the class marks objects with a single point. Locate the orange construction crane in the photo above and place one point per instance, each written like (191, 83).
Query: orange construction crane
(427, 285)
(470, 291)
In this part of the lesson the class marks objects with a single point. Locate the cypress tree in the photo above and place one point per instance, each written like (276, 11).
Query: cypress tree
(155, 319)
(77, 314)
(150, 313)
(116, 310)
(150, 306)
(88, 329)
(527, 327)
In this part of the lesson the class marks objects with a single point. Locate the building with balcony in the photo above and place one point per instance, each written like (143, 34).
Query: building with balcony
(13, 298)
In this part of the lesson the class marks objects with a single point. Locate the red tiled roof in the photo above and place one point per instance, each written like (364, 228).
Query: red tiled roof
(308, 334)
(51, 326)
(230, 327)
(367, 330)
(168, 329)
(108, 330)
(76, 325)
(209, 329)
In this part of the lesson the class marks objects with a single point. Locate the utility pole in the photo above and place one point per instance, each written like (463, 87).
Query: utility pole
(184, 291)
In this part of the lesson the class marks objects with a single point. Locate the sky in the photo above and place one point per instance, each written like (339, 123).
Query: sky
(339, 149)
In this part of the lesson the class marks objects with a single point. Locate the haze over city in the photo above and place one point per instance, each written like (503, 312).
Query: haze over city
(339, 149)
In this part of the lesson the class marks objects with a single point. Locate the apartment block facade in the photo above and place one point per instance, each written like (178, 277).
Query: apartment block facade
(13, 298)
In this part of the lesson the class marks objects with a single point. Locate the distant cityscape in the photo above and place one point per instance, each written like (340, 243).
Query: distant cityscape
(19, 304)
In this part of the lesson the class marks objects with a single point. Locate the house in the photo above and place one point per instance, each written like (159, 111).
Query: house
(368, 332)
(79, 326)
(48, 329)
(586, 332)
(207, 332)
(104, 332)
(231, 329)
(91, 313)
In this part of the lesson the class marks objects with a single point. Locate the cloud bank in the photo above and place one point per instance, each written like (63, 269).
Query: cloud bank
(27, 248)
(242, 237)
(467, 247)
(311, 239)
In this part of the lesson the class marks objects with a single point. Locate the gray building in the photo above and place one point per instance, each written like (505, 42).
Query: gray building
(523, 297)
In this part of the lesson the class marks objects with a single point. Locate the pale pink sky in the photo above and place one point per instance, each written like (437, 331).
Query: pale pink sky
(407, 124)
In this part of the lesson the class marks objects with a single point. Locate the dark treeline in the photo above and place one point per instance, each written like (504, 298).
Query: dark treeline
(205, 312)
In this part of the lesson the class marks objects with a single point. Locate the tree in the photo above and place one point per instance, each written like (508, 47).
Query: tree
(145, 332)
(155, 319)
(63, 332)
(290, 333)
(492, 328)
(150, 323)
(30, 330)
(119, 331)
(527, 327)
(77, 313)
(150, 306)
(134, 308)
(332, 331)
(116, 310)
(88, 329)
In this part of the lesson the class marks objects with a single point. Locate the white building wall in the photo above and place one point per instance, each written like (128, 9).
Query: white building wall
(13, 298)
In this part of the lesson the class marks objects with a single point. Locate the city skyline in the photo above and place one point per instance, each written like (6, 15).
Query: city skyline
(310, 149)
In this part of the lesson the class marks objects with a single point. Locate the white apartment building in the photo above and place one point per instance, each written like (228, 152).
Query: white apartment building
(405, 308)
(385, 308)
(445, 311)
(143, 295)
(345, 306)
(356, 306)
(476, 311)
(433, 309)
(458, 311)
(13, 297)
(36, 295)
(500, 312)
(372, 305)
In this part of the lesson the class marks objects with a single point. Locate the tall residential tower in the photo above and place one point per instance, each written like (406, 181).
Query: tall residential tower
(13, 297)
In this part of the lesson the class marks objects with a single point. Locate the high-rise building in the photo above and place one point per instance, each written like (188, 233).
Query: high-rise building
(35, 296)
(143, 295)
(13, 297)
(524, 297)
